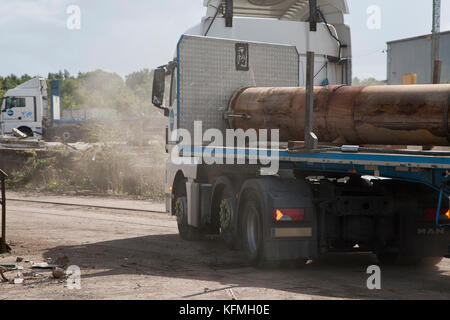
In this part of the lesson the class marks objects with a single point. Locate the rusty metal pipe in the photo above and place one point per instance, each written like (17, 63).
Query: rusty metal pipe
(381, 115)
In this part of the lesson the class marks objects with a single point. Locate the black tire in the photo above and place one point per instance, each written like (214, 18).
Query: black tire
(185, 231)
(251, 226)
(26, 131)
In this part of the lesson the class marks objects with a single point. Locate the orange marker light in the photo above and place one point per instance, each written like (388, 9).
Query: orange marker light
(288, 215)
(279, 215)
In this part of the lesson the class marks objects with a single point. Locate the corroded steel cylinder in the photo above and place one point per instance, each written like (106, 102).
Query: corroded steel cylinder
(381, 115)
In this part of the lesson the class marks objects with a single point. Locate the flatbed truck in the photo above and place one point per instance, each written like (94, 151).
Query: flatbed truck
(391, 201)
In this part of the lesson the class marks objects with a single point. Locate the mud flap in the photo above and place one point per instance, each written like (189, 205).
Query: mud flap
(286, 240)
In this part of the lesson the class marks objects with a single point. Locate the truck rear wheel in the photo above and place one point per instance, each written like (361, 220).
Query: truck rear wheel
(186, 231)
(224, 210)
(252, 229)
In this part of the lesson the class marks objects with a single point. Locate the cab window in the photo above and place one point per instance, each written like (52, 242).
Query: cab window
(12, 103)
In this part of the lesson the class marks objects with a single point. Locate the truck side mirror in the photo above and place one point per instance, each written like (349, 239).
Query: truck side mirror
(159, 84)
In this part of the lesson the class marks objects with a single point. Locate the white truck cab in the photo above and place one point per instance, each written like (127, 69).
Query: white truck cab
(24, 108)
(288, 22)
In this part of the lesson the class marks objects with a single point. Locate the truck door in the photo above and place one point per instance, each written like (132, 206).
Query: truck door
(19, 109)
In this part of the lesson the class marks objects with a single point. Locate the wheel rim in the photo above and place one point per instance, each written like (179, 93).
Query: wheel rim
(225, 214)
(179, 210)
(252, 230)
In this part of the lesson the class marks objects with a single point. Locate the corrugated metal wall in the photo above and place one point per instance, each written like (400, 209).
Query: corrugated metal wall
(414, 56)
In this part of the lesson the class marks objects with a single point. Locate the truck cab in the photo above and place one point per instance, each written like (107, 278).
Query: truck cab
(23, 108)
(289, 22)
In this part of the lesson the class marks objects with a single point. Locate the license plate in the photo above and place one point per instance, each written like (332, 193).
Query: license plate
(291, 232)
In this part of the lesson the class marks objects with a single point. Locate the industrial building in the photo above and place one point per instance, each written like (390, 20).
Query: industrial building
(413, 56)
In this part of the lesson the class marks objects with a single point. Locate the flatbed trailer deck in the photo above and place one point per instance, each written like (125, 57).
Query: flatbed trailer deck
(431, 170)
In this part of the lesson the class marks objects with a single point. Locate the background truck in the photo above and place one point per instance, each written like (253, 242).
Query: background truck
(25, 108)
(29, 109)
(346, 181)
(36, 111)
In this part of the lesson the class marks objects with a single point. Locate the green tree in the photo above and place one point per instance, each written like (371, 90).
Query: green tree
(11, 81)
(368, 82)
(98, 89)
(137, 79)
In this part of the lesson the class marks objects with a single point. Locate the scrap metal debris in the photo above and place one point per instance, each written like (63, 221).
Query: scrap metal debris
(32, 275)
(18, 279)
(4, 278)
(45, 265)
(11, 142)
(19, 133)
(58, 273)
(56, 265)
(11, 266)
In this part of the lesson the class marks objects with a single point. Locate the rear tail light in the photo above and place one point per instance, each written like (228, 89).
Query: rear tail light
(430, 214)
(288, 215)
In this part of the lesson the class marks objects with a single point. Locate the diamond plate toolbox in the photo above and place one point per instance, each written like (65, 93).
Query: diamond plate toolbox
(211, 70)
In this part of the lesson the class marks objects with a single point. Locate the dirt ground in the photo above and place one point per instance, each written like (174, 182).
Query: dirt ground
(138, 255)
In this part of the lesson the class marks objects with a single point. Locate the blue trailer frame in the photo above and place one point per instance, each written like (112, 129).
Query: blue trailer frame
(433, 171)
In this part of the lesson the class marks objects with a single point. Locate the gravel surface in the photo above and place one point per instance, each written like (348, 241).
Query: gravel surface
(126, 254)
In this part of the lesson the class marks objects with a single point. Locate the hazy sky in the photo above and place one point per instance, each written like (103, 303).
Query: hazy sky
(125, 36)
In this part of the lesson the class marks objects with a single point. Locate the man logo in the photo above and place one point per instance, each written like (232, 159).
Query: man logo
(430, 231)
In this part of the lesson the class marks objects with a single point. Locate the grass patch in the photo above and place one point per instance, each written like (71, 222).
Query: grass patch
(107, 170)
